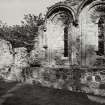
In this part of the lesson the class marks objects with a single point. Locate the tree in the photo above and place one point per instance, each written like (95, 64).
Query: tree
(22, 35)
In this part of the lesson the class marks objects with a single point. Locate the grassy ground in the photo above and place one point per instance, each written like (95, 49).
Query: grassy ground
(5, 86)
(38, 95)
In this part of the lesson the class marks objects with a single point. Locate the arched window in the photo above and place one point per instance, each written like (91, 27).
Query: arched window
(101, 29)
(66, 41)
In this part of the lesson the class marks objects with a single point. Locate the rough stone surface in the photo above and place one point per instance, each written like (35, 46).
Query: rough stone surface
(20, 62)
(35, 57)
(6, 57)
(21, 57)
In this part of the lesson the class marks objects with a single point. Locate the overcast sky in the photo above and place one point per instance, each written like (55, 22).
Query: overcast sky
(12, 11)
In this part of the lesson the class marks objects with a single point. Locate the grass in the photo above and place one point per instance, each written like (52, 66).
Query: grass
(5, 86)
(38, 95)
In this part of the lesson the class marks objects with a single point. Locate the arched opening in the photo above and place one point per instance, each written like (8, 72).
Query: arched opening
(83, 5)
(101, 36)
(59, 21)
(92, 32)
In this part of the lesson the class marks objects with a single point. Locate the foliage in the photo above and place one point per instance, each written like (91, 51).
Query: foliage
(22, 35)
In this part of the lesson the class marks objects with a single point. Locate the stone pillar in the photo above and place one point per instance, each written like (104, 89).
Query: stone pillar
(42, 46)
(72, 38)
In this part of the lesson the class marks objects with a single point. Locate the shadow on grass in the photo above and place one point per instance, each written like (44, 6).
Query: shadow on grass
(38, 95)
(5, 86)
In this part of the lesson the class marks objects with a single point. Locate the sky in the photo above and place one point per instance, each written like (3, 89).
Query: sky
(12, 11)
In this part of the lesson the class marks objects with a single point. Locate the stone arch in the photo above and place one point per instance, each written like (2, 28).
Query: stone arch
(60, 7)
(83, 5)
(92, 11)
(91, 4)
(63, 15)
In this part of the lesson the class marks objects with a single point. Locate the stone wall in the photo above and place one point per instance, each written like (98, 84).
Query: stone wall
(21, 61)
(6, 57)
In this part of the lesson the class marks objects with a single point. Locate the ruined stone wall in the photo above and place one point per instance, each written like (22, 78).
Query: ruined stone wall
(83, 33)
(6, 57)
(21, 61)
